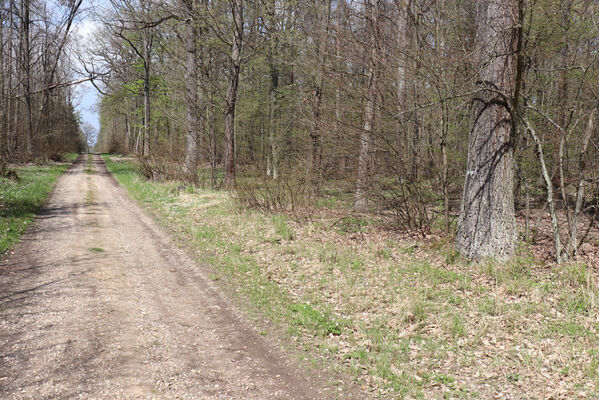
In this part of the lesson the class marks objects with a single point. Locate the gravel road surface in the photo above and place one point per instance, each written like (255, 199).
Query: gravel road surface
(97, 303)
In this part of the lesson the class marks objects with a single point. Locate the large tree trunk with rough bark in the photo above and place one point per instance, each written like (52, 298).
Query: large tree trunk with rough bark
(487, 226)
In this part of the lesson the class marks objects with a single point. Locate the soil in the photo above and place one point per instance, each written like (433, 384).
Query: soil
(96, 302)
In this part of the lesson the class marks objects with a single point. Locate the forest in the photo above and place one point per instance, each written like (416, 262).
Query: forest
(390, 103)
(402, 194)
(38, 119)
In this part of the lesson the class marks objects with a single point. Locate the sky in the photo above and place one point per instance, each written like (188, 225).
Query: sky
(86, 96)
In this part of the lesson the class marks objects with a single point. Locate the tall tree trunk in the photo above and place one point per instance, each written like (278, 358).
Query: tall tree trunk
(127, 134)
(9, 62)
(147, 45)
(337, 124)
(360, 197)
(402, 79)
(562, 86)
(146, 137)
(415, 140)
(26, 66)
(191, 154)
(315, 129)
(444, 164)
(231, 99)
(4, 96)
(575, 242)
(487, 226)
(272, 167)
(211, 130)
(340, 66)
(273, 153)
(557, 242)
(17, 111)
(562, 96)
(137, 145)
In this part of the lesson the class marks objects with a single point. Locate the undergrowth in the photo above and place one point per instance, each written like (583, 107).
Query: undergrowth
(396, 317)
(21, 199)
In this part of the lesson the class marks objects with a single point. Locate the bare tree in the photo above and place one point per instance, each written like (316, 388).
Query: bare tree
(321, 94)
(403, 35)
(323, 11)
(25, 61)
(233, 84)
(360, 198)
(89, 133)
(135, 24)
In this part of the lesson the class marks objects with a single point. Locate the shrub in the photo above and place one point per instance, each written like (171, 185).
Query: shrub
(415, 208)
(285, 195)
(160, 169)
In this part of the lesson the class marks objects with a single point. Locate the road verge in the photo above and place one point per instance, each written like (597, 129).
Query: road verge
(22, 198)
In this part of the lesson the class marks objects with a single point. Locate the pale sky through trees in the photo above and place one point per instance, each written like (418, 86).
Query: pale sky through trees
(87, 96)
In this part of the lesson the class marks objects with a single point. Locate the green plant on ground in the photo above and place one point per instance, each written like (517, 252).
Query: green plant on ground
(402, 318)
(282, 229)
(69, 157)
(311, 318)
(21, 199)
(89, 165)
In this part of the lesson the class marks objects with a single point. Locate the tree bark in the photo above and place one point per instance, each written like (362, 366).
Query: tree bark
(360, 197)
(562, 85)
(340, 66)
(444, 165)
(231, 99)
(574, 240)
(147, 110)
(402, 78)
(211, 130)
(26, 67)
(4, 96)
(273, 154)
(272, 164)
(191, 154)
(487, 226)
(557, 242)
(127, 134)
(9, 60)
(315, 129)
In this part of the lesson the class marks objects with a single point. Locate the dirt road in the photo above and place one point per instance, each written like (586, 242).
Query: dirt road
(97, 303)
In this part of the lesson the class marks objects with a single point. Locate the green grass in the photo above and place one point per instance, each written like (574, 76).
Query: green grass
(89, 165)
(227, 252)
(89, 197)
(402, 318)
(69, 157)
(21, 200)
(282, 230)
(306, 316)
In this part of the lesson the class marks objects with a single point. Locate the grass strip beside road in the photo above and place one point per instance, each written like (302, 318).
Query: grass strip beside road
(22, 199)
(221, 248)
(397, 316)
(69, 157)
